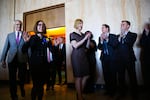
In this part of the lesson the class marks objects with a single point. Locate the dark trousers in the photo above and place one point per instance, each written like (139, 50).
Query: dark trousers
(13, 67)
(90, 83)
(109, 72)
(65, 70)
(37, 89)
(130, 67)
(59, 69)
(145, 64)
(51, 75)
(39, 74)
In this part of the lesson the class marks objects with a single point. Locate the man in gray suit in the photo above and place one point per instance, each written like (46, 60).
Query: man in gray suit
(17, 61)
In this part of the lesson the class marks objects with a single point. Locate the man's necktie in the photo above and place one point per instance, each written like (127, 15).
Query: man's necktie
(17, 39)
(105, 47)
(121, 40)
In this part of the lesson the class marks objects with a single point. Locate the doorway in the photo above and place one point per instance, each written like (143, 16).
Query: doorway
(54, 18)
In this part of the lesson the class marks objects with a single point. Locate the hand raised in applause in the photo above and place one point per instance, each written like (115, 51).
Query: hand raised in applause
(88, 35)
(104, 36)
(56, 42)
(26, 36)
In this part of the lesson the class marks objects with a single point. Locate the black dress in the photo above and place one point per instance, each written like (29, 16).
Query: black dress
(79, 57)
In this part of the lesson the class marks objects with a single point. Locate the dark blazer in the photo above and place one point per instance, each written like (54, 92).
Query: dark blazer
(11, 49)
(91, 53)
(125, 50)
(38, 50)
(64, 52)
(59, 55)
(50, 46)
(145, 45)
(112, 44)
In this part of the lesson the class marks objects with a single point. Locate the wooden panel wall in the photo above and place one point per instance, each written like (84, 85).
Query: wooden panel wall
(53, 16)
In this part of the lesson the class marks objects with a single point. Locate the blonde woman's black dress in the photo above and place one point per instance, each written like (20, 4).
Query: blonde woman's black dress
(79, 57)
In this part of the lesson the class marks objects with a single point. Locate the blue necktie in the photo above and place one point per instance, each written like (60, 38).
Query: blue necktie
(105, 47)
(122, 40)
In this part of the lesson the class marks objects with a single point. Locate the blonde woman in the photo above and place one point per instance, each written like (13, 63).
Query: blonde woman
(79, 58)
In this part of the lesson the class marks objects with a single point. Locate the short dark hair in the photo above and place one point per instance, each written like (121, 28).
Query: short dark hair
(36, 24)
(107, 26)
(89, 32)
(128, 22)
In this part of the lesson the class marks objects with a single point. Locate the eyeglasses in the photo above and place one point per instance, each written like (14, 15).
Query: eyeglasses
(40, 24)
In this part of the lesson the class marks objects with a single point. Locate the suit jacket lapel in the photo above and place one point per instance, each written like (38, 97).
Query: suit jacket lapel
(14, 38)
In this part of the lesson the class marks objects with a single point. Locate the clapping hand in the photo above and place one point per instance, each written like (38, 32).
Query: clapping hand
(104, 36)
(56, 42)
(88, 35)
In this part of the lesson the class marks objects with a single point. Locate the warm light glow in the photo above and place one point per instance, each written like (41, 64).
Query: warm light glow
(60, 31)
(31, 33)
(53, 32)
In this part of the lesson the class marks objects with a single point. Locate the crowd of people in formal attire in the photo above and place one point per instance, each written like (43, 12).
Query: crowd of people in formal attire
(117, 57)
(46, 58)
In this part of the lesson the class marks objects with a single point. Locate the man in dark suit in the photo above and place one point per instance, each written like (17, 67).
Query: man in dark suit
(63, 53)
(61, 61)
(107, 43)
(16, 60)
(51, 67)
(126, 57)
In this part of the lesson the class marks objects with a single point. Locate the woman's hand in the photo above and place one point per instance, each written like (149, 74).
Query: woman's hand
(88, 36)
(26, 36)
